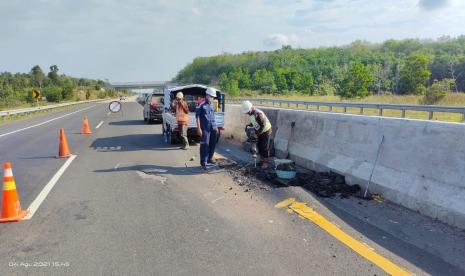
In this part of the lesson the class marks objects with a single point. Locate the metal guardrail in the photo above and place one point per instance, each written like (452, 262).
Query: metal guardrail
(431, 109)
(26, 111)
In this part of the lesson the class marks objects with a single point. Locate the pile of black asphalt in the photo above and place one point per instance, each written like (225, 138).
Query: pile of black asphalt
(322, 184)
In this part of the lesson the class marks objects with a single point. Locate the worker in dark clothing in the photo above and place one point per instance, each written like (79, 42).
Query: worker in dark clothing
(262, 126)
(207, 129)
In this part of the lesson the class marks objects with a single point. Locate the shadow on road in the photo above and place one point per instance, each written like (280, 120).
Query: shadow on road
(133, 142)
(156, 170)
(128, 123)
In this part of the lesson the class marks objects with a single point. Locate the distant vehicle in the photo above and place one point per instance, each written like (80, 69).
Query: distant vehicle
(153, 107)
(194, 95)
(141, 99)
(122, 98)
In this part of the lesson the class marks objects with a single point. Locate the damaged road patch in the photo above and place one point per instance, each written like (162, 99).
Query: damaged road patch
(153, 174)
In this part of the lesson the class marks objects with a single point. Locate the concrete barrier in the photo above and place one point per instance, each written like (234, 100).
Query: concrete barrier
(421, 164)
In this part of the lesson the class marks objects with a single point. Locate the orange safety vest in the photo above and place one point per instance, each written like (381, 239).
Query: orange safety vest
(181, 117)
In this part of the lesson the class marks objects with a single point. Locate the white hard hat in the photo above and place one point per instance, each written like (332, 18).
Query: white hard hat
(179, 95)
(211, 91)
(246, 106)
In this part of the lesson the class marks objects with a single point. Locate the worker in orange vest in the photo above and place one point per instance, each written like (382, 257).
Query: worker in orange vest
(182, 118)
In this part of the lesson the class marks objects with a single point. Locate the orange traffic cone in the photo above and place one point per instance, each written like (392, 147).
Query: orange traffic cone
(85, 126)
(63, 151)
(11, 209)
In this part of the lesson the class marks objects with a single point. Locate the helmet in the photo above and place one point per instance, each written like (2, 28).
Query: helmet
(179, 95)
(211, 91)
(246, 106)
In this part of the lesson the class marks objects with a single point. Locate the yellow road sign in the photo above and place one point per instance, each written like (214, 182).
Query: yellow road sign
(35, 94)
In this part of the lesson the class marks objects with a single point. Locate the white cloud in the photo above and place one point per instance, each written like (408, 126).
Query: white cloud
(276, 40)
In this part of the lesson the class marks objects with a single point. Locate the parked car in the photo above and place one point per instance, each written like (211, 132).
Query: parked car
(194, 95)
(153, 107)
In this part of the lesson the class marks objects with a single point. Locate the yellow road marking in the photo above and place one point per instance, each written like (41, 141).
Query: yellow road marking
(285, 203)
(308, 213)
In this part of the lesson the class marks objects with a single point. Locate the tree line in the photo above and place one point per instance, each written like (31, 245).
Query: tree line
(16, 89)
(410, 66)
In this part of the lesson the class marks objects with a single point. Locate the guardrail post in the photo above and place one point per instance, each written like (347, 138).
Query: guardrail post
(463, 117)
(306, 106)
(403, 113)
(344, 109)
(280, 104)
(380, 112)
(361, 110)
(288, 105)
(330, 108)
(430, 117)
(318, 107)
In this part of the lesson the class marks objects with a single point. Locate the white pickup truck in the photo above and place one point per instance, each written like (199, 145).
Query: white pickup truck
(194, 95)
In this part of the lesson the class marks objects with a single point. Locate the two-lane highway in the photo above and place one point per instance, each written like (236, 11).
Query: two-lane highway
(130, 204)
(31, 145)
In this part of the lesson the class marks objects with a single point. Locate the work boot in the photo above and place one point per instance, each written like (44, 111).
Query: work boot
(264, 163)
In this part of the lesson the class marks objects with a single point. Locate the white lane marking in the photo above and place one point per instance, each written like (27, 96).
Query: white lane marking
(101, 122)
(46, 190)
(43, 123)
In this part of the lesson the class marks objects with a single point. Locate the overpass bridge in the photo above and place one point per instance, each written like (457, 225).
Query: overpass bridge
(139, 85)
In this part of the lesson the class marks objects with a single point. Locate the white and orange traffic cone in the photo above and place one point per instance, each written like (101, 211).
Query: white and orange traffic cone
(11, 208)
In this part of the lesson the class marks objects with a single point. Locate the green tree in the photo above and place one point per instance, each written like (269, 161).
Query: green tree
(67, 87)
(37, 76)
(414, 75)
(264, 80)
(306, 83)
(325, 88)
(437, 91)
(53, 74)
(281, 81)
(357, 82)
(53, 93)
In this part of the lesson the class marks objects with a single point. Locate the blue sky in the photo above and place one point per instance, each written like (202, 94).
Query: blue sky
(141, 40)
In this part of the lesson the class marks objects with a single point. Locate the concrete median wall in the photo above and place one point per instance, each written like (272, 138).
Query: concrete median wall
(421, 164)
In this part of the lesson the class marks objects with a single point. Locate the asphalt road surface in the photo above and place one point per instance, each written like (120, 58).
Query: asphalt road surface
(131, 204)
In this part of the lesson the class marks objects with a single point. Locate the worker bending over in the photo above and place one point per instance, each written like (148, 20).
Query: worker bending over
(262, 126)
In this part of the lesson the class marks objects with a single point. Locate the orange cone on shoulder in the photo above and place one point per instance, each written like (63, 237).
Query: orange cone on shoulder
(11, 208)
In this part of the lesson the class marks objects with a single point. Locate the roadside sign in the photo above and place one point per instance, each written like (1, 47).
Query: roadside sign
(115, 106)
(35, 94)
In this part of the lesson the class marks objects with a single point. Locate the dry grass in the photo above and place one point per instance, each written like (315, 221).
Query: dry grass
(451, 99)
